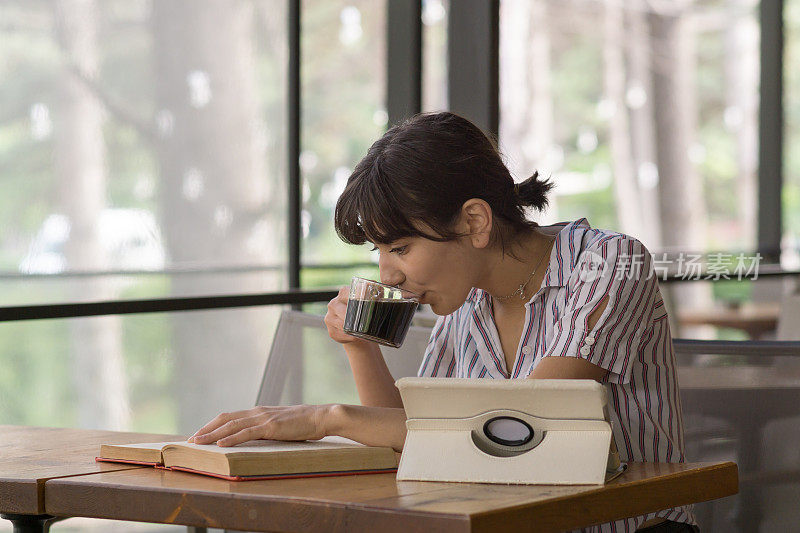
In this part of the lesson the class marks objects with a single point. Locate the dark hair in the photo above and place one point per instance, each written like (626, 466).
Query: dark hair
(423, 171)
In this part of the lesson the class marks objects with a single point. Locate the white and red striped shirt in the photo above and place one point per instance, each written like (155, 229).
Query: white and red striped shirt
(631, 340)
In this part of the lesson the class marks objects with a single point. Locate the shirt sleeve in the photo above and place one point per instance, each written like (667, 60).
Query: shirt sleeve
(620, 269)
(439, 359)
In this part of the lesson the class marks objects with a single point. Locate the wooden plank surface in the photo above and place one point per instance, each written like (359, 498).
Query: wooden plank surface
(32, 455)
(379, 502)
(644, 488)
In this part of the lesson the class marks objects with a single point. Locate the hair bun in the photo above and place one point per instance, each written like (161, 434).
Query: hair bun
(533, 192)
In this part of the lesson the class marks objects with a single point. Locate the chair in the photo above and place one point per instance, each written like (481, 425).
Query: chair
(306, 366)
(730, 412)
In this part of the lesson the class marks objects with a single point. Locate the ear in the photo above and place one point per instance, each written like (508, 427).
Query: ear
(476, 222)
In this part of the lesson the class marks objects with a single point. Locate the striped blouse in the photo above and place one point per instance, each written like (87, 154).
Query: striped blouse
(631, 340)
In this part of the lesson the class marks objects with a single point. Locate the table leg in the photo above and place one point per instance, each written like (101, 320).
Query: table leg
(30, 523)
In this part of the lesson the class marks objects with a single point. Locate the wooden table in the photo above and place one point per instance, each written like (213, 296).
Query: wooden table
(380, 503)
(30, 456)
(354, 503)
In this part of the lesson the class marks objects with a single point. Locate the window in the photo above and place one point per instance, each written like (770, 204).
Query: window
(645, 114)
(434, 55)
(142, 136)
(343, 113)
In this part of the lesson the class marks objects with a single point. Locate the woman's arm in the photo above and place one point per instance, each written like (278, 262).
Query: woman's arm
(572, 367)
(373, 426)
(374, 382)
(567, 368)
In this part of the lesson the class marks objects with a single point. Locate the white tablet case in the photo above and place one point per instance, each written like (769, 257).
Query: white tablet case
(559, 431)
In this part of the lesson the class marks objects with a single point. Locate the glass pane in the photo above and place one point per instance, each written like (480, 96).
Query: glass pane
(744, 408)
(790, 258)
(160, 373)
(434, 54)
(645, 114)
(336, 277)
(764, 309)
(161, 147)
(344, 112)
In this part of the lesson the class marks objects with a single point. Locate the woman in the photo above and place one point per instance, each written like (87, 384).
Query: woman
(516, 300)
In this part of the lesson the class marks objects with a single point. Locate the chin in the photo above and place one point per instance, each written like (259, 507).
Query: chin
(443, 310)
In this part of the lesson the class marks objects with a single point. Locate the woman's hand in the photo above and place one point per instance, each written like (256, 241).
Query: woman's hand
(334, 319)
(295, 422)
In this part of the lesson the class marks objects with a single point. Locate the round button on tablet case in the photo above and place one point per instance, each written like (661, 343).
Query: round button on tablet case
(508, 431)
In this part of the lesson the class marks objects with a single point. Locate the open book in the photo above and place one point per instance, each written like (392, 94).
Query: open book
(259, 459)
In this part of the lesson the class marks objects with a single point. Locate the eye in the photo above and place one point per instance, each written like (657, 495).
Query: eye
(400, 250)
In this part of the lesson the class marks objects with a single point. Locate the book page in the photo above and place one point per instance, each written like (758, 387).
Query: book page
(146, 445)
(327, 443)
(147, 452)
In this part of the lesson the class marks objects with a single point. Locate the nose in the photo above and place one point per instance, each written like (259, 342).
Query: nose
(390, 274)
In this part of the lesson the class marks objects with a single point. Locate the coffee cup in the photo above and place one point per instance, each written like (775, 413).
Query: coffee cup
(379, 312)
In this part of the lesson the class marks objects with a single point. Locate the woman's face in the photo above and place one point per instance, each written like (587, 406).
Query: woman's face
(441, 273)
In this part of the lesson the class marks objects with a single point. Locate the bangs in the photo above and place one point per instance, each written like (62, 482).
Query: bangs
(370, 209)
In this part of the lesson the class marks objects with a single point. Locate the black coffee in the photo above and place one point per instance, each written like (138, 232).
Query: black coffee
(385, 322)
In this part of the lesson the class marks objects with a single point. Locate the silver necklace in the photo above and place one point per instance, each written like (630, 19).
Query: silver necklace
(520, 292)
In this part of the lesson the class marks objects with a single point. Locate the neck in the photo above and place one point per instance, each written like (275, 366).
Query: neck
(507, 271)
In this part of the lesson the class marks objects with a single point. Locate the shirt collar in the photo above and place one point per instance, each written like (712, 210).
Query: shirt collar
(563, 257)
(566, 250)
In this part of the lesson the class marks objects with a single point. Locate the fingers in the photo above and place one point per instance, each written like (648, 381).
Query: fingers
(334, 318)
(219, 421)
(247, 434)
(227, 429)
(337, 307)
(297, 422)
